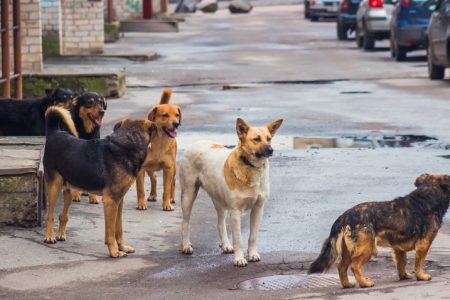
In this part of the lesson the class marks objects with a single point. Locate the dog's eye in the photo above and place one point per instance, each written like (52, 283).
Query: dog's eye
(177, 115)
(268, 138)
(165, 115)
(257, 139)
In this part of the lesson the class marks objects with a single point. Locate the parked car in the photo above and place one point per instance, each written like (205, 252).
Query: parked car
(409, 23)
(306, 10)
(372, 22)
(346, 18)
(323, 8)
(439, 40)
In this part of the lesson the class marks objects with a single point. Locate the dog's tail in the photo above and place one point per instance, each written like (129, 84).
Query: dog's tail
(165, 96)
(331, 250)
(58, 118)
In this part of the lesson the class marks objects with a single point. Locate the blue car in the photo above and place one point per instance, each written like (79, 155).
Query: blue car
(346, 18)
(408, 26)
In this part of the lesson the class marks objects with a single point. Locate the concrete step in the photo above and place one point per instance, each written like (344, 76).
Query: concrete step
(165, 25)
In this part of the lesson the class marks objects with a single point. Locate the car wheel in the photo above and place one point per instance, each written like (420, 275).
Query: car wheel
(314, 18)
(342, 31)
(435, 72)
(358, 37)
(307, 16)
(399, 52)
(368, 40)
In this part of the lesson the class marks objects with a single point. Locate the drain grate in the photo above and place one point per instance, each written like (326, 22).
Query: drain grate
(284, 282)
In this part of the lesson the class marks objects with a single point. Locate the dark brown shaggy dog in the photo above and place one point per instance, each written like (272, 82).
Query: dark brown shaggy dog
(404, 224)
(106, 167)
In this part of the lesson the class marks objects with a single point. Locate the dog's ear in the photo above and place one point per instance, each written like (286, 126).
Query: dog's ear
(49, 93)
(273, 127)
(242, 128)
(119, 124)
(150, 126)
(179, 116)
(152, 114)
(421, 179)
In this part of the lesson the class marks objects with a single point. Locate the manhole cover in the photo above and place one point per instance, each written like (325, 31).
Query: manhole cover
(283, 282)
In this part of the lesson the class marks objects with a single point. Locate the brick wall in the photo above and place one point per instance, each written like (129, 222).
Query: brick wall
(82, 27)
(31, 36)
(51, 17)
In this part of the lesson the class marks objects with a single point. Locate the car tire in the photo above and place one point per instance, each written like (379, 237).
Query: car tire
(307, 14)
(358, 38)
(368, 40)
(435, 72)
(342, 31)
(314, 18)
(399, 52)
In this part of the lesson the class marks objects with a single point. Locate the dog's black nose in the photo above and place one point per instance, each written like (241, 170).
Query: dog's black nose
(175, 125)
(269, 151)
(101, 113)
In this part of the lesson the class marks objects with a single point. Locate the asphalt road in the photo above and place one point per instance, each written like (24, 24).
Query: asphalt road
(267, 65)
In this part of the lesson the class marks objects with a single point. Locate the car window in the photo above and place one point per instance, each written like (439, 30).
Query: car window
(430, 4)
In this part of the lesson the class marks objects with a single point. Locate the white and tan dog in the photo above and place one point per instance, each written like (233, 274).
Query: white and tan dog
(236, 180)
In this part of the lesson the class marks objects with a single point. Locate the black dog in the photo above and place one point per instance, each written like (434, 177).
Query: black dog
(27, 117)
(107, 167)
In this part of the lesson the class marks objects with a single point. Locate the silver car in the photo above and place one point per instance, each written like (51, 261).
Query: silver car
(372, 22)
(323, 8)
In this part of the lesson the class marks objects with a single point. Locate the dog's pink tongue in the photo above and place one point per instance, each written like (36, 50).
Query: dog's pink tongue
(98, 121)
(173, 133)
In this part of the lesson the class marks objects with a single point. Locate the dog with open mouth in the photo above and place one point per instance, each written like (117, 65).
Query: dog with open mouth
(162, 154)
(87, 111)
(235, 179)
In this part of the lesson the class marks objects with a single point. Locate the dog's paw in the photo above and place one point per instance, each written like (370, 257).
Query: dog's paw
(366, 283)
(142, 206)
(93, 199)
(76, 196)
(117, 254)
(151, 198)
(240, 262)
(76, 199)
(126, 249)
(405, 276)
(50, 239)
(188, 249)
(227, 249)
(254, 257)
(168, 207)
(61, 237)
(348, 285)
(172, 201)
(423, 277)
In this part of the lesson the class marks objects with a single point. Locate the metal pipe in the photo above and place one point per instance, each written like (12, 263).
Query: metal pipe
(6, 63)
(17, 50)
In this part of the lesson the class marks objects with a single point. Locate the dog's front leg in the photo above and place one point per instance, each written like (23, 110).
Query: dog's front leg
(111, 209)
(168, 174)
(119, 232)
(141, 204)
(255, 220)
(53, 188)
(239, 259)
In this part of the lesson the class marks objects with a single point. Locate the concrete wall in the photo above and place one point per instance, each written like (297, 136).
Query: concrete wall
(51, 25)
(82, 29)
(131, 9)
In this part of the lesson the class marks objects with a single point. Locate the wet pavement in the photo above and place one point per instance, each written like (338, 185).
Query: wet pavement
(267, 65)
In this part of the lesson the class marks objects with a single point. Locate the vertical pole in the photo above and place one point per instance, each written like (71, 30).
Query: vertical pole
(147, 9)
(17, 49)
(6, 64)
(163, 6)
(110, 11)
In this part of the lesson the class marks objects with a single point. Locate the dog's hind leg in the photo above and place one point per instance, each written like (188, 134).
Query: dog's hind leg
(119, 232)
(92, 199)
(168, 176)
(343, 265)
(399, 257)
(189, 192)
(54, 186)
(141, 204)
(111, 207)
(255, 220)
(239, 260)
(64, 215)
(174, 179)
(222, 228)
(76, 196)
(153, 184)
(363, 249)
(422, 246)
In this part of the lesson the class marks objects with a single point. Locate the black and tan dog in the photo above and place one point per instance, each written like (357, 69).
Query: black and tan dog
(87, 111)
(403, 224)
(162, 155)
(106, 167)
(27, 117)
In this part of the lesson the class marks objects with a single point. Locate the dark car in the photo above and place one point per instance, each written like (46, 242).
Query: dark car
(439, 40)
(306, 10)
(346, 19)
(409, 23)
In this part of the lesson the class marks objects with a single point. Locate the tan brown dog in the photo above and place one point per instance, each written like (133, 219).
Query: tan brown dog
(403, 224)
(162, 153)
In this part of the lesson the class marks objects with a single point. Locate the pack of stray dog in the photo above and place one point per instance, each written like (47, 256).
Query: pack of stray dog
(236, 179)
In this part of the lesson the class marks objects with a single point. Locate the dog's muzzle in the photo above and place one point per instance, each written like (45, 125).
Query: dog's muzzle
(267, 152)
